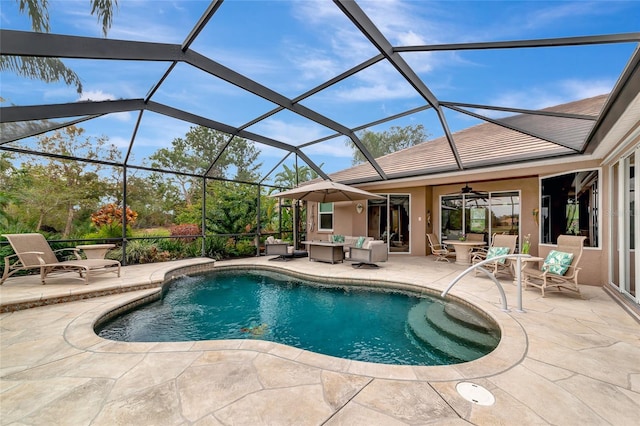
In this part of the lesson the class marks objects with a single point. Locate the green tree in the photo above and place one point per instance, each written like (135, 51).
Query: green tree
(152, 198)
(52, 69)
(53, 191)
(6, 199)
(233, 209)
(392, 140)
(193, 155)
(287, 177)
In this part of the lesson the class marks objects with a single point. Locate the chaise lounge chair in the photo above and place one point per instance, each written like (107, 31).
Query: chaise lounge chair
(560, 267)
(32, 251)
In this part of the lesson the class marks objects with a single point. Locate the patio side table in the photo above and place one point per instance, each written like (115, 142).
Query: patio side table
(95, 251)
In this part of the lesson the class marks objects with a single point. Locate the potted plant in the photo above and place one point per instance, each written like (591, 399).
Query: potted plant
(526, 245)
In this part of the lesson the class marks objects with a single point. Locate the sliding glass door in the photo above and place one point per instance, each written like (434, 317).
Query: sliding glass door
(388, 220)
(624, 222)
(478, 213)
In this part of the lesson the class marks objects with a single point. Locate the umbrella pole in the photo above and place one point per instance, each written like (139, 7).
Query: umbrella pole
(296, 215)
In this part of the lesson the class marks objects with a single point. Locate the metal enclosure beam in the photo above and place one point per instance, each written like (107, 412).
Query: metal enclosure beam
(521, 44)
(367, 27)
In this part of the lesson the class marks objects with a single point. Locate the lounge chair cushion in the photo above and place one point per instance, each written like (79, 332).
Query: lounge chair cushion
(557, 262)
(360, 242)
(497, 251)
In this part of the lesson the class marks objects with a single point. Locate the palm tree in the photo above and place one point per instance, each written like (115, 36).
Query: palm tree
(52, 69)
(287, 177)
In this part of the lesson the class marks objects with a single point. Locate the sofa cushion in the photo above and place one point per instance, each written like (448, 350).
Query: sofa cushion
(337, 238)
(368, 242)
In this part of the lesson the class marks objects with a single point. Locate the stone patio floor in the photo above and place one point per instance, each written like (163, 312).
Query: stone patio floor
(568, 359)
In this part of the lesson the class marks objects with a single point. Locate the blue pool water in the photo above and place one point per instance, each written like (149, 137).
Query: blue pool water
(347, 322)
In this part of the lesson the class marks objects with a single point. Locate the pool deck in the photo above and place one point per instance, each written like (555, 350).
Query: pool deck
(567, 359)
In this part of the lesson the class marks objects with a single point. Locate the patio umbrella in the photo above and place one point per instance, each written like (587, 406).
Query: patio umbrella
(326, 191)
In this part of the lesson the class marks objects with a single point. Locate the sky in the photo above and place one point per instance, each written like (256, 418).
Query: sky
(293, 46)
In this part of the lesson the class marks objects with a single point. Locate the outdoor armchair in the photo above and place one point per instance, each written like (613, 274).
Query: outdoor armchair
(276, 247)
(501, 244)
(370, 253)
(439, 250)
(559, 269)
(32, 251)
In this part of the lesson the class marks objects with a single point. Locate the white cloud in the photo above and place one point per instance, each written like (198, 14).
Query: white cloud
(133, 20)
(119, 141)
(293, 134)
(124, 117)
(374, 92)
(400, 22)
(556, 93)
(96, 96)
(332, 148)
(586, 89)
(558, 13)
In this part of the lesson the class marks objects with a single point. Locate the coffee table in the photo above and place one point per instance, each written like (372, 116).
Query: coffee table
(325, 251)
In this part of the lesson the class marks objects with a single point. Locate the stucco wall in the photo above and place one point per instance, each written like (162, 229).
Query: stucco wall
(425, 197)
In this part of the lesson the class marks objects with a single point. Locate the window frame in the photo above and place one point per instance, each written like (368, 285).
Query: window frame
(321, 214)
(598, 207)
(490, 194)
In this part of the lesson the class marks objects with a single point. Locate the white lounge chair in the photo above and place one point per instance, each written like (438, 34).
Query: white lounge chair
(32, 251)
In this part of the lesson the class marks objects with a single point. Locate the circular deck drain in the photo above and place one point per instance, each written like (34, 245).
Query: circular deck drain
(475, 393)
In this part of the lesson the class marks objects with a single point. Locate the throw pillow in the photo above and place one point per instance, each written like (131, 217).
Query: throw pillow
(497, 251)
(338, 238)
(360, 242)
(557, 262)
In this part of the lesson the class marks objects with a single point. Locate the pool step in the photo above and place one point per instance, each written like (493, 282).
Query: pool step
(462, 325)
(430, 324)
(468, 319)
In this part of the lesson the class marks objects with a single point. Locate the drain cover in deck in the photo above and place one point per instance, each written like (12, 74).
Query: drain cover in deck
(475, 393)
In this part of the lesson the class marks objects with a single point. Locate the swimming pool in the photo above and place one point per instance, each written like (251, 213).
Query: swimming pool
(364, 324)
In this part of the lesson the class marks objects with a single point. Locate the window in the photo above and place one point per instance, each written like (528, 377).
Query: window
(480, 213)
(325, 216)
(569, 206)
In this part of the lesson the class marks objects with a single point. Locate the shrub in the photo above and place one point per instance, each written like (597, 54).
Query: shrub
(108, 221)
(108, 232)
(178, 249)
(185, 229)
(111, 214)
(214, 247)
(140, 251)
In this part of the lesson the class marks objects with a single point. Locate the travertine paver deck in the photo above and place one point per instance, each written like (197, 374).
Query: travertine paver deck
(566, 360)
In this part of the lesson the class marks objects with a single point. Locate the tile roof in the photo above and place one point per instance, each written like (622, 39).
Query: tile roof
(491, 144)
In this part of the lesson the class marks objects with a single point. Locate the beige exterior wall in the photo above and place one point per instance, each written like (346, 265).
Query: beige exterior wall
(425, 197)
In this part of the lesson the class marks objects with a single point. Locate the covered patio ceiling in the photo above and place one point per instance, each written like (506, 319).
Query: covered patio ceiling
(299, 122)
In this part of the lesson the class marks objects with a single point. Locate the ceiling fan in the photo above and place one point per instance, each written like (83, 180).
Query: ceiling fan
(466, 189)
